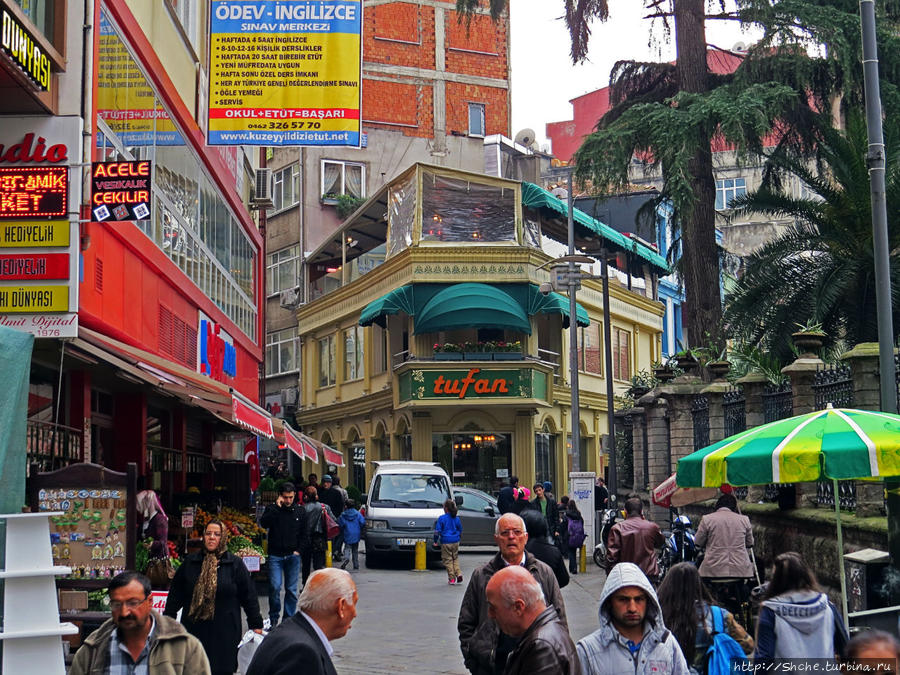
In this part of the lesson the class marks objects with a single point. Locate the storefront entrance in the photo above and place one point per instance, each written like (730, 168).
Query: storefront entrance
(475, 459)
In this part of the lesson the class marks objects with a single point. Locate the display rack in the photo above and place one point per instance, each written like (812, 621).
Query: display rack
(32, 630)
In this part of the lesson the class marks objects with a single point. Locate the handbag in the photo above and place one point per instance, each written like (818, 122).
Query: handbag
(332, 529)
(160, 572)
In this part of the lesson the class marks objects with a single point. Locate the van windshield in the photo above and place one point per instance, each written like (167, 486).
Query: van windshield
(401, 490)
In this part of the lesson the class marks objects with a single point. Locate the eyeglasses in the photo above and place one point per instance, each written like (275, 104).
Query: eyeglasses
(116, 605)
(514, 533)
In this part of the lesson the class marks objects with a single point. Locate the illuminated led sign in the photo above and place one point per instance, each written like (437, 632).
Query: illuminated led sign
(19, 45)
(34, 192)
(120, 191)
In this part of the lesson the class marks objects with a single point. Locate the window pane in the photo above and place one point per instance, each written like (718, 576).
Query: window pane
(353, 177)
(331, 178)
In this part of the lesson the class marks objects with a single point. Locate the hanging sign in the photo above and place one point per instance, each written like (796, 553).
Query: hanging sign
(22, 49)
(286, 72)
(120, 191)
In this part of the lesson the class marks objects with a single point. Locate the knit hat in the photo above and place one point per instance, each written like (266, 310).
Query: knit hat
(548, 486)
(327, 479)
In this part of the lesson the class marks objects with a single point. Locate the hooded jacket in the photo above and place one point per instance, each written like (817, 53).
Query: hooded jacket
(799, 624)
(352, 524)
(605, 651)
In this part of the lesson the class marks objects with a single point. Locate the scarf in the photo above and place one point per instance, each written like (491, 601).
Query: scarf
(203, 601)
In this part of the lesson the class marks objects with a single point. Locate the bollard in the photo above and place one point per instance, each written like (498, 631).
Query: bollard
(328, 554)
(582, 566)
(420, 557)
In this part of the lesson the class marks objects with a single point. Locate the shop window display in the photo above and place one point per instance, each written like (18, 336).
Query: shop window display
(474, 459)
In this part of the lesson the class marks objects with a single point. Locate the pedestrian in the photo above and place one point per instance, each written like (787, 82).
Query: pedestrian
(312, 481)
(796, 619)
(877, 645)
(331, 495)
(484, 646)
(727, 537)
(546, 506)
(548, 491)
(574, 534)
(447, 533)
(508, 494)
(313, 554)
(352, 525)
(687, 612)
(136, 639)
(560, 531)
(601, 494)
(635, 540)
(154, 526)
(336, 483)
(303, 644)
(212, 586)
(287, 536)
(516, 603)
(523, 501)
(632, 637)
(537, 545)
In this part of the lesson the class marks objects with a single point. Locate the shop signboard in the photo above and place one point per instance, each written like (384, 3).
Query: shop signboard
(20, 47)
(472, 383)
(216, 353)
(120, 191)
(285, 73)
(39, 235)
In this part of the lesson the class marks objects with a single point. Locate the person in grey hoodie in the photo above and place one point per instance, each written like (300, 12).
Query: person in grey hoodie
(631, 637)
(797, 620)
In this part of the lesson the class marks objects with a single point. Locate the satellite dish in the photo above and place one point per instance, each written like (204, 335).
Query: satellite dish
(526, 137)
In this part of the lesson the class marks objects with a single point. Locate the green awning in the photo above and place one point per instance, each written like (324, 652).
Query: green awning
(399, 300)
(554, 303)
(536, 197)
(471, 305)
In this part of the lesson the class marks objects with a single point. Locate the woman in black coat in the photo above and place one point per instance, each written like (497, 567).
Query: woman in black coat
(211, 587)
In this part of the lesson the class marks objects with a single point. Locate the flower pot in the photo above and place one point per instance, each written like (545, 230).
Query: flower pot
(808, 342)
(719, 369)
(478, 356)
(639, 390)
(507, 356)
(664, 374)
(448, 356)
(687, 363)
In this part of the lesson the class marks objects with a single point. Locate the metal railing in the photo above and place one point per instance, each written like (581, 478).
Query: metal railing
(700, 415)
(174, 460)
(52, 446)
(778, 402)
(734, 409)
(846, 494)
(834, 385)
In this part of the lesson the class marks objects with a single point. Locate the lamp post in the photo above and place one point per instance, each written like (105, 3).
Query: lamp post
(574, 283)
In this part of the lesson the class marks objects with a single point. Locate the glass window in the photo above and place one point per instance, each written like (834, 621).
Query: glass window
(354, 367)
(621, 354)
(545, 456)
(186, 11)
(590, 355)
(472, 502)
(283, 269)
(462, 210)
(286, 190)
(281, 352)
(40, 13)
(727, 189)
(343, 178)
(405, 490)
(326, 362)
(476, 119)
(380, 347)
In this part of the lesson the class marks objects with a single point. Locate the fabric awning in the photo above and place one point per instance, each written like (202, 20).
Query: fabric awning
(536, 197)
(399, 300)
(299, 444)
(251, 416)
(471, 305)
(554, 303)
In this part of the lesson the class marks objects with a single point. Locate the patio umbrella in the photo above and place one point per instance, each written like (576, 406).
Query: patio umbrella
(667, 494)
(835, 444)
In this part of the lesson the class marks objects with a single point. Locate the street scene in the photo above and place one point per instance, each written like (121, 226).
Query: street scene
(449, 336)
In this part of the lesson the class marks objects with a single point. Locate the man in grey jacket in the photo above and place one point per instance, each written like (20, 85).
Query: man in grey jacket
(631, 637)
(727, 537)
(484, 647)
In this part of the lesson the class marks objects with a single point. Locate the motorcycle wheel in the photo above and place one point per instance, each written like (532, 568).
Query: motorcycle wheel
(599, 556)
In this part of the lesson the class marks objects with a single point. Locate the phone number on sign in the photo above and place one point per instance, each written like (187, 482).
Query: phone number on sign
(286, 125)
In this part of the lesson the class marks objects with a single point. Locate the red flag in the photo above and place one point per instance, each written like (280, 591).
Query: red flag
(251, 457)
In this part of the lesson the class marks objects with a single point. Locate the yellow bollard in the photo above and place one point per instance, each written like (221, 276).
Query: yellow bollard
(582, 567)
(420, 557)
(328, 554)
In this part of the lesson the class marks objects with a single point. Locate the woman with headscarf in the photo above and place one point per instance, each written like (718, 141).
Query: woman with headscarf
(154, 523)
(211, 587)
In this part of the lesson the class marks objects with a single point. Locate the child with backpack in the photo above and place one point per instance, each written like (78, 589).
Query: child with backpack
(709, 636)
(575, 535)
(447, 532)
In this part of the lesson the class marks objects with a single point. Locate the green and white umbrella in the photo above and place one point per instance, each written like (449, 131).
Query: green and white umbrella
(836, 443)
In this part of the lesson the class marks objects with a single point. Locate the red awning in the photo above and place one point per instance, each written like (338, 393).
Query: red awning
(251, 416)
(332, 456)
(300, 444)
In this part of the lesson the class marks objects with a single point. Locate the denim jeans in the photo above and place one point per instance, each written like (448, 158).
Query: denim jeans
(287, 566)
(352, 550)
(573, 559)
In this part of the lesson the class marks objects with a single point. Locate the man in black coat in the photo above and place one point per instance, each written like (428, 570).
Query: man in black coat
(506, 500)
(288, 537)
(303, 643)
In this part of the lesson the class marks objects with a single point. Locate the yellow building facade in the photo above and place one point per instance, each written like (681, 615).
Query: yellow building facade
(426, 335)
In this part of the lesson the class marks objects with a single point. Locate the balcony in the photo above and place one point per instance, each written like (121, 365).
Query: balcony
(52, 446)
(171, 460)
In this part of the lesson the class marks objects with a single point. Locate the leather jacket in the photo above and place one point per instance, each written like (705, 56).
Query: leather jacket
(544, 649)
(635, 540)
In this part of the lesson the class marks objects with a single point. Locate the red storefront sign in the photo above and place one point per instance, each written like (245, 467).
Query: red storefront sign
(36, 266)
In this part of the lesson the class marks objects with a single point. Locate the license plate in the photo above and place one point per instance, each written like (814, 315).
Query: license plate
(407, 542)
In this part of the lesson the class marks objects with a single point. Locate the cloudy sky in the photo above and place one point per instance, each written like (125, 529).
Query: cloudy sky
(543, 77)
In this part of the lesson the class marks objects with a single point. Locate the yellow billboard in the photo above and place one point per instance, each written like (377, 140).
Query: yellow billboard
(34, 233)
(34, 299)
(285, 72)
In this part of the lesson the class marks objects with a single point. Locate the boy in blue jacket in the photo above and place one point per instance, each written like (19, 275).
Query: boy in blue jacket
(447, 531)
(352, 524)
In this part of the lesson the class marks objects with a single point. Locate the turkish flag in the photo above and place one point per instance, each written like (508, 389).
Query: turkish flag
(251, 457)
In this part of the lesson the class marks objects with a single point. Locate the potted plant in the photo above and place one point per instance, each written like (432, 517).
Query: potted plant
(448, 351)
(809, 337)
(716, 360)
(267, 493)
(508, 351)
(640, 383)
(688, 359)
(663, 372)
(477, 351)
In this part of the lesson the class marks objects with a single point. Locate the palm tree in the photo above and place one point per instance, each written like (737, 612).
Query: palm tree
(821, 269)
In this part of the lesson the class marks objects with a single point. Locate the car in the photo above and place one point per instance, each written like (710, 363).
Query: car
(478, 514)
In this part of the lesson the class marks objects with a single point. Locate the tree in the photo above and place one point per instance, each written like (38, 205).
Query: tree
(821, 268)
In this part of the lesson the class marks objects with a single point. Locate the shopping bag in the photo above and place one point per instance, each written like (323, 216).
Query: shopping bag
(332, 529)
(246, 649)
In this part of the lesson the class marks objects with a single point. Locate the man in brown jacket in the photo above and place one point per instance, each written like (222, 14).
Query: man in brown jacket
(726, 536)
(484, 646)
(635, 540)
(516, 603)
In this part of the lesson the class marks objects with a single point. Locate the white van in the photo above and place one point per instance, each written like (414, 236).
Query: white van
(403, 503)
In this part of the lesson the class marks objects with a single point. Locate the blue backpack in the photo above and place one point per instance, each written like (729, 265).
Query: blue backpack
(724, 649)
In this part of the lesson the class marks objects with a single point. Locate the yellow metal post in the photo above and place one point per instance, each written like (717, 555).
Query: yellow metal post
(582, 566)
(328, 554)
(420, 556)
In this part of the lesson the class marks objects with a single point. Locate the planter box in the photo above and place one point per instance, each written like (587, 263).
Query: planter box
(478, 356)
(448, 356)
(507, 356)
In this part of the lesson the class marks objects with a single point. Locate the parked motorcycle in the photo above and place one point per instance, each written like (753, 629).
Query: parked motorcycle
(607, 520)
(679, 545)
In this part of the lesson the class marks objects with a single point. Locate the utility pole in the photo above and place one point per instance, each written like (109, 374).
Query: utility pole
(574, 283)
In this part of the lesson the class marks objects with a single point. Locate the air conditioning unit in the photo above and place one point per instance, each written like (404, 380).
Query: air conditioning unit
(289, 396)
(290, 298)
(262, 196)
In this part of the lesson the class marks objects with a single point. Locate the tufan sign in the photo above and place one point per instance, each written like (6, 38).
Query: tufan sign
(120, 191)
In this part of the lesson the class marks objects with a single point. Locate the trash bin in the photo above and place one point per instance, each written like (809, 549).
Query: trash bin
(865, 571)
